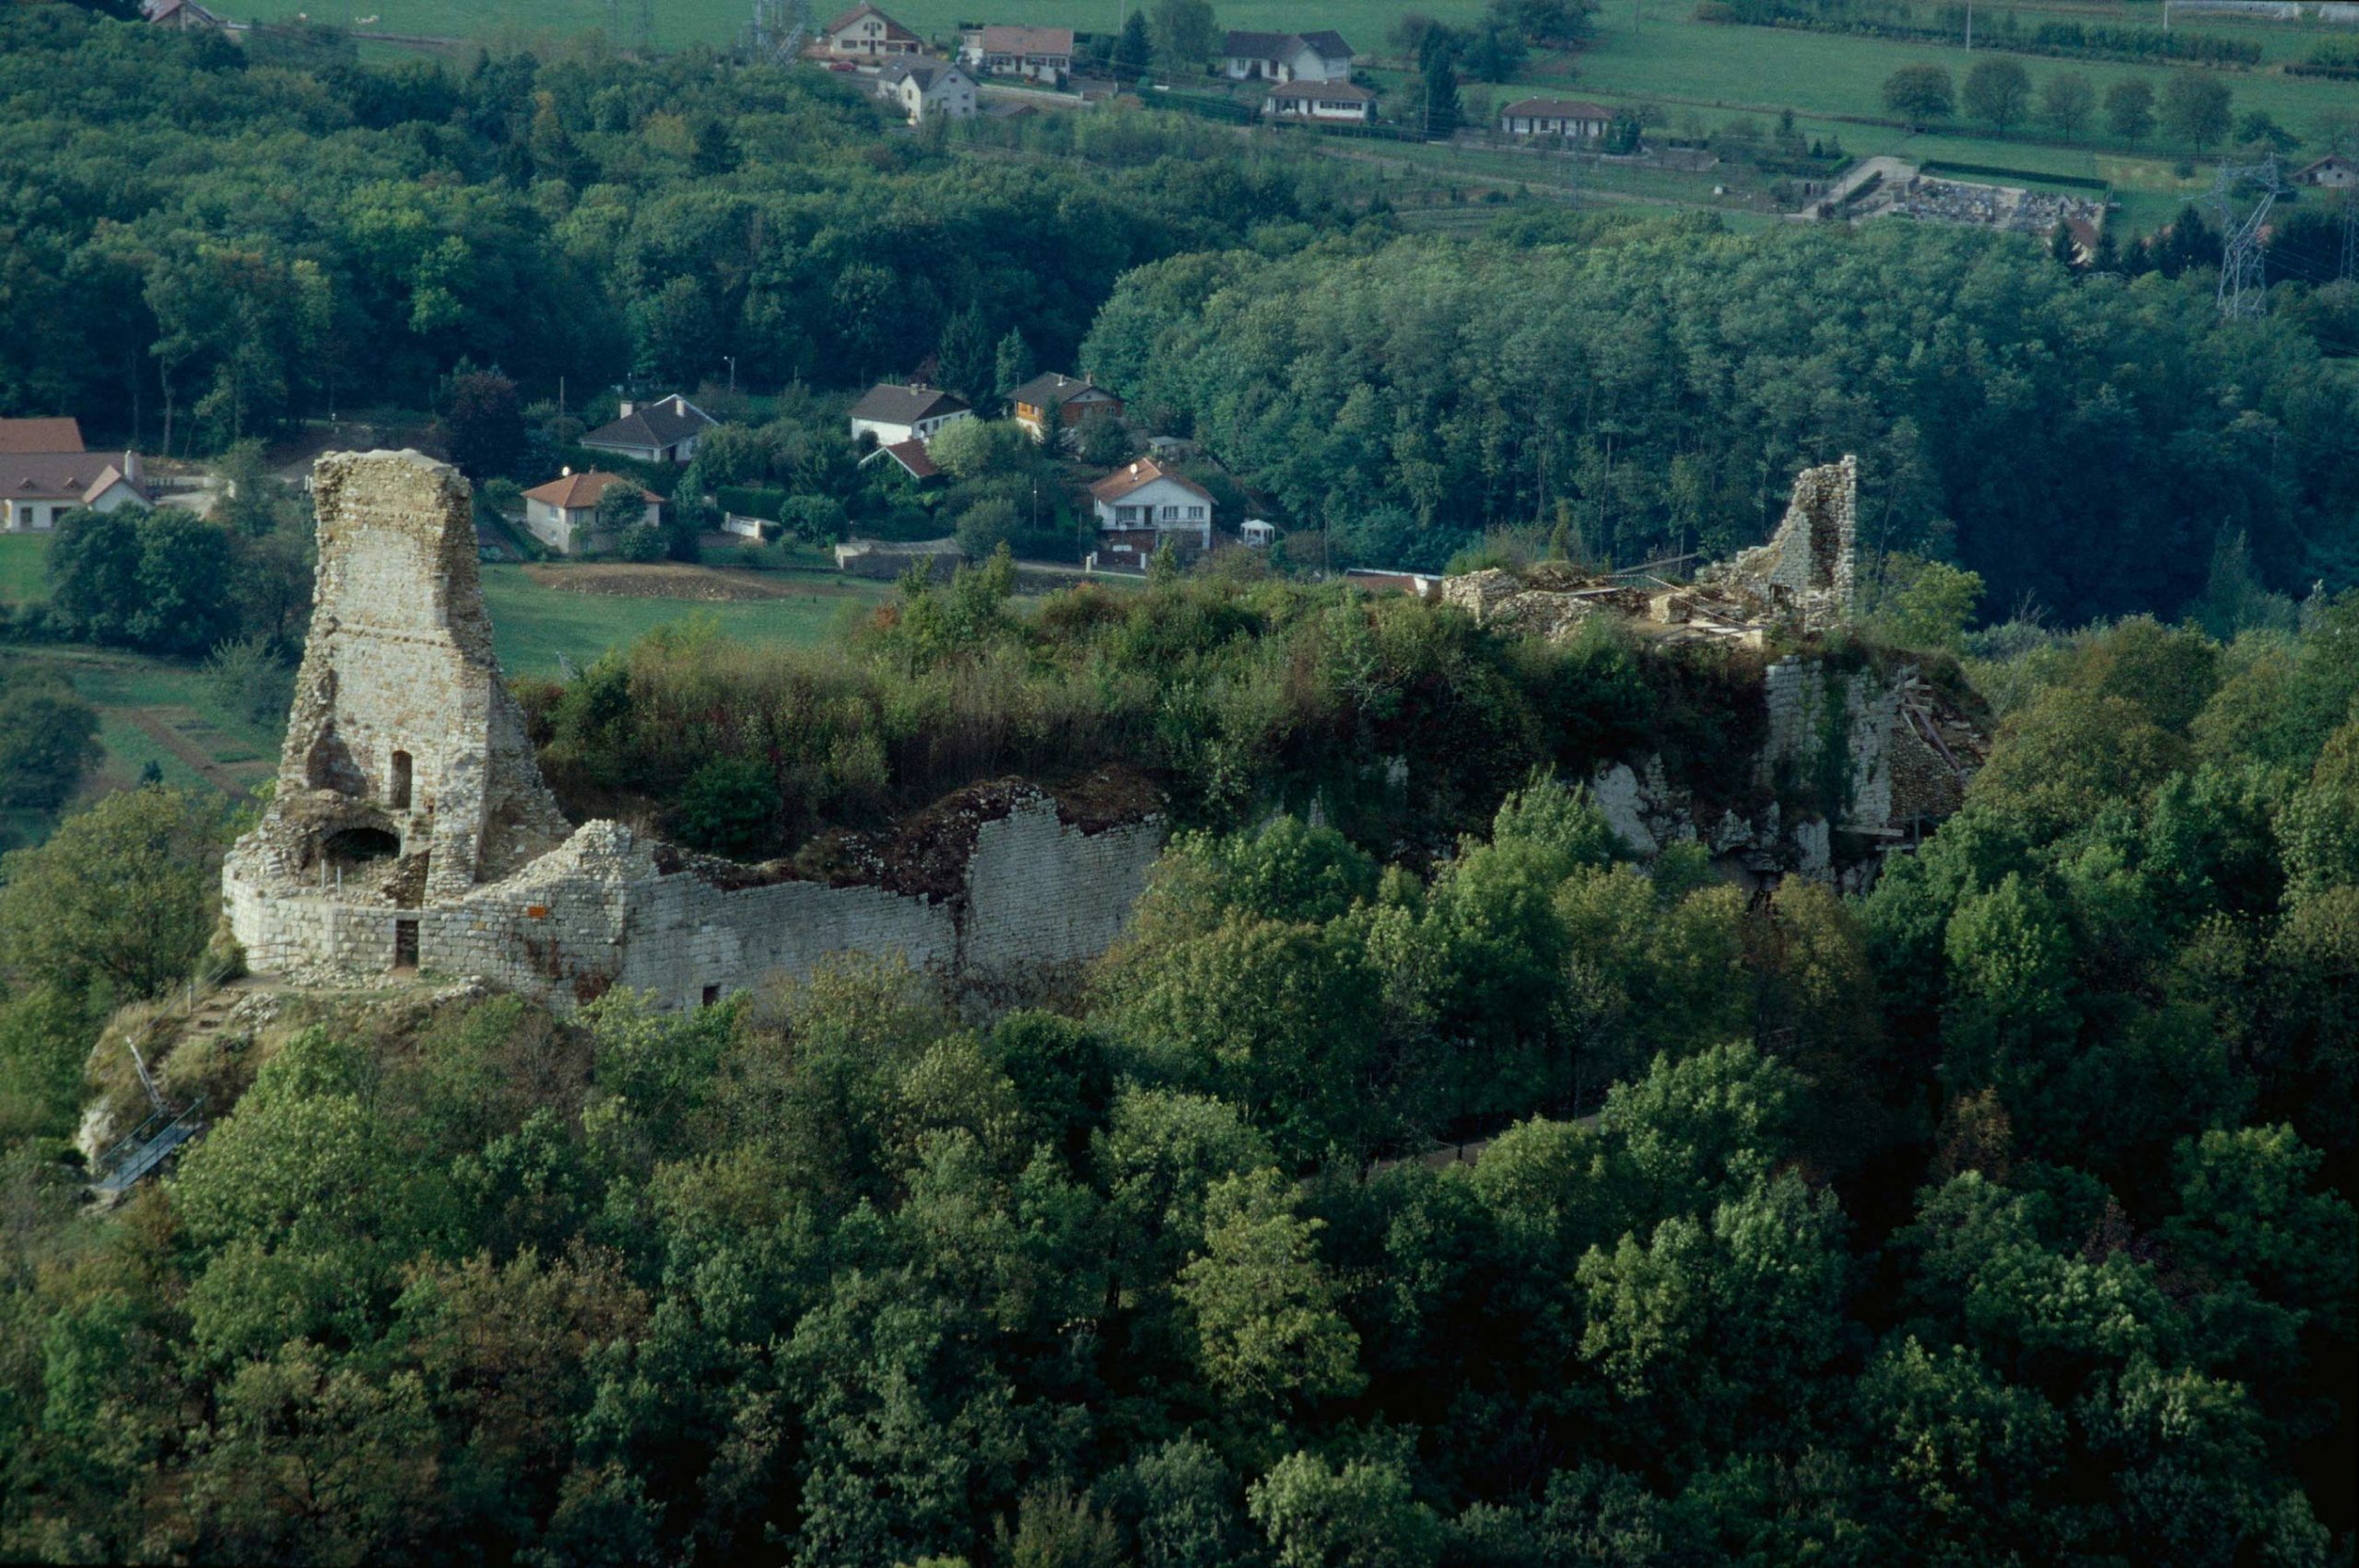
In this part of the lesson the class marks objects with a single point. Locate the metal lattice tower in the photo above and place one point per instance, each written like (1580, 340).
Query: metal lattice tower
(779, 30)
(2243, 291)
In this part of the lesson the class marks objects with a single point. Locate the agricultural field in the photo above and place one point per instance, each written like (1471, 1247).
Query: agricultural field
(541, 615)
(24, 563)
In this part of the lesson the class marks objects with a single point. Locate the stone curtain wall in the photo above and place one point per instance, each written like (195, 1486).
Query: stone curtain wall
(1797, 693)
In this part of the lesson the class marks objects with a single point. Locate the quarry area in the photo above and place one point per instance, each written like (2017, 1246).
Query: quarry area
(412, 830)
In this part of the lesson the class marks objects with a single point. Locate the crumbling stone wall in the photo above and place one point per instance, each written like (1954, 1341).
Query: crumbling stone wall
(1809, 568)
(403, 730)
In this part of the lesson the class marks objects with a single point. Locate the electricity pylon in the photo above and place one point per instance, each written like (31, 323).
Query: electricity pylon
(2243, 291)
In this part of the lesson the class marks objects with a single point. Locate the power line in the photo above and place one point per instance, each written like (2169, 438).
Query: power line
(2244, 291)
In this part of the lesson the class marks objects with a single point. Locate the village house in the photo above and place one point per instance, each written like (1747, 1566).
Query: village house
(563, 513)
(184, 15)
(1044, 54)
(895, 413)
(1327, 103)
(1140, 507)
(663, 431)
(2333, 172)
(924, 89)
(39, 487)
(1065, 399)
(1286, 57)
(1555, 117)
(909, 457)
(867, 33)
(63, 435)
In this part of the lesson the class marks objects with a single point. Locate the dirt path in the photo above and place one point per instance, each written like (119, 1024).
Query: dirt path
(157, 724)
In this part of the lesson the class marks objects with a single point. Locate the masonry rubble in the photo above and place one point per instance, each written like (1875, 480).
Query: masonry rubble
(412, 827)
(1909, 750)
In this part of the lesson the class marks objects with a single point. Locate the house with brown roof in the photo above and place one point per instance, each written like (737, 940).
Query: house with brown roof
(663, 431)
(1338, 103)
(867, 33)
(1141, 508)
(37, 488)
(893, 413)
(927, 89)
(60, 435)
(563, 513)
(1286, 57)
(1059, 402)
(910, 457)
(1555, 117)
(1043, 54)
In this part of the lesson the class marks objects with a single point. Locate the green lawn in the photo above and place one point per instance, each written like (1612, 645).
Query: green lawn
(533, 625)
(24, 565)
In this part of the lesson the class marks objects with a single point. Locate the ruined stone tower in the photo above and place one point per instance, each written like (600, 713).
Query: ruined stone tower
(1808, 568)
(406, 776)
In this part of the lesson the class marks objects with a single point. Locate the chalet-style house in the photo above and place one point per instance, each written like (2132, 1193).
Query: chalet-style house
(1286, 57)
(1140, 509)
(1344, 103)
(563, 513)
(897, 412)
(2334, 173)
(1044, 54)
(1060, 402)
(663, 431)
(909, 457)
(867, 33)
(63, 435)
(923, 90)
(1555, 117)
(38, 487)
(184, 15)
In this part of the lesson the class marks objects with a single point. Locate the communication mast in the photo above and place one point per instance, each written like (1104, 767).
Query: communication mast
(2243, 291)
(778, 32)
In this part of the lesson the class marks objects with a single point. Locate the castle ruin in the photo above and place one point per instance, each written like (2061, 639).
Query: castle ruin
(411, 827)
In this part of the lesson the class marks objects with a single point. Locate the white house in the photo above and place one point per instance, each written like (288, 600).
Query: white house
(663, 431)
(895, 413)
(1328, 102)
(1555, 117)
(1042, 54)
(2334, 171)
(1140, 509)
(1286, 57)
(867, 33)
(563, 513)
(37, 488)
(924, 89)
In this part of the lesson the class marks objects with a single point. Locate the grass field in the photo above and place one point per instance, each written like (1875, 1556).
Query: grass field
(24, 566)
(532, 626)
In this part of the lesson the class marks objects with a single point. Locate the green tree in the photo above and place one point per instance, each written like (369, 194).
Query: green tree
(2129, 109)
(120, 901)
(1270, 1333)
(970, 365)
(1184, 34)
(1919, 94)
(1134, 49)
(729, 806)
(1998, 90)
(1363, 1515)
(49, 741)
(1437, 102)
(2067, 102)
(621, 507)
(2195, 109)
(1012, 363)
(483, 420)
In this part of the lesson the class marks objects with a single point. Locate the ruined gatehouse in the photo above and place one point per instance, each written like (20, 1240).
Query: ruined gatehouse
(411, 827)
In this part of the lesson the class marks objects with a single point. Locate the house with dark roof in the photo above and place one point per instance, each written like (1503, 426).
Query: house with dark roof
(897, 412)
(185, 15)
(563, 513)
(663, 431)
(924, 89)
(1043, 54)
(867, 33)
(1341, 103)
(1141, 508)
(2335, 171)
(37, 488)
(61, 435)
(1555, 117)
(1286, 57)
(909, 457)
(1059, 402)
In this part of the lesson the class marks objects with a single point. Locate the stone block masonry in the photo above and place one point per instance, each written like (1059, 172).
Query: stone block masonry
(411, 825)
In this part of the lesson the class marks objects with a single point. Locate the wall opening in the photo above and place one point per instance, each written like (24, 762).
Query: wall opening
(397, 787)
(358, 846)
(711, 995)
(405, 944)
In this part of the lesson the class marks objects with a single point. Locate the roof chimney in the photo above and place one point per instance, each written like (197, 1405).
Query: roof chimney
(565, 472)
(628, 405)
